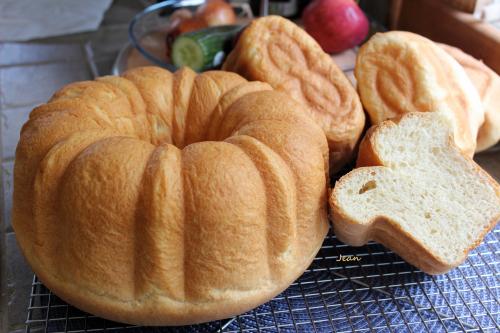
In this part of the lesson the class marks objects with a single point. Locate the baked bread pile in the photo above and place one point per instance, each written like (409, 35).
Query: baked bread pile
(400, 72)
(417, 193)
(275, 50)
(416, 190)
(161, 199)
(165, 199)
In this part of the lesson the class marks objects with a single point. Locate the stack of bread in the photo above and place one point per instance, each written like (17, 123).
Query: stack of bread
(400, 72)
(158, 198)
(416, 189)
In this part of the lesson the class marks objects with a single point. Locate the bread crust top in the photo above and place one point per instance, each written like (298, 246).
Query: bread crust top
(273, 49)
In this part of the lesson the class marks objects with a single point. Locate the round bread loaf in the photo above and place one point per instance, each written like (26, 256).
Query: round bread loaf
(487, 83)
(400, 72)
(275, 50)
(166, 199)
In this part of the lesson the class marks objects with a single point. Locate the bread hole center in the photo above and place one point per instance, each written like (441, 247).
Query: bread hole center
(368, 186)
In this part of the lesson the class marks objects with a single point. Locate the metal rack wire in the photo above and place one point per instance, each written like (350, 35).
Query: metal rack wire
(379, 293)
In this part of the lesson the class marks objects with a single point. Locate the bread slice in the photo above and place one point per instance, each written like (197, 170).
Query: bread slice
(416, 193)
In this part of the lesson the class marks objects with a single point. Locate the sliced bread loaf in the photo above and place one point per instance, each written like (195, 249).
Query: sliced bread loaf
(416, 193)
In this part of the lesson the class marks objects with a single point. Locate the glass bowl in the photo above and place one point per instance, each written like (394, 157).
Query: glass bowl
(149, 28)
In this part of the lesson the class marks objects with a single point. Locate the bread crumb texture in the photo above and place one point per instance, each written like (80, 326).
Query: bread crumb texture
(421, 189)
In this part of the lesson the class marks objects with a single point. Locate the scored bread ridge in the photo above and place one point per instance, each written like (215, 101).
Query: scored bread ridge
(415, 192)
(291, 61)
(487, 83)
(117, 220)
(400, 72)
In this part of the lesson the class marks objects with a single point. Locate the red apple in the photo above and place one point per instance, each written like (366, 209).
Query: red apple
(337, 25)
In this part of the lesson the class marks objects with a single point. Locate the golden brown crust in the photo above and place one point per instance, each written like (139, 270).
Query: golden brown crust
(183, 87)
(367, 155)
(153, 309)
(155, 86)
(291, 61)
(385, 229)
(400, 72)
(202, 104)
(487, 83)
(116, 220)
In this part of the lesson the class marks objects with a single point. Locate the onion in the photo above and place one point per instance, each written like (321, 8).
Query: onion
(216, 12)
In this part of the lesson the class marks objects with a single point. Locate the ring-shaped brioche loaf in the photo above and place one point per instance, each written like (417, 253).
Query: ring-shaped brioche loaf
(125, 209)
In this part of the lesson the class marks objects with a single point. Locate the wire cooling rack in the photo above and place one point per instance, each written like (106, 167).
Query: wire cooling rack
(378, 293)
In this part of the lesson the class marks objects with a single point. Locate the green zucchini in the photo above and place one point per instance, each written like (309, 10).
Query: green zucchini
(203, 49)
